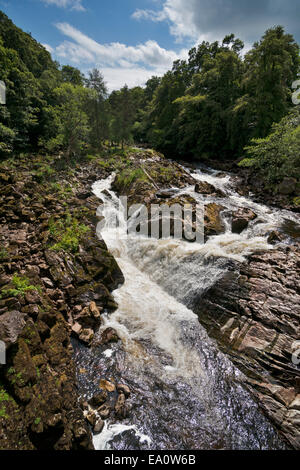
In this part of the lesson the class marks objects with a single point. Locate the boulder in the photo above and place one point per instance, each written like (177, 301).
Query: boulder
(99, 399)
(91, 418)
(166, 193)
(213, 224)
(253, 313)
(106, 385)
(86, 335)
(123, 389)
(104, 411)
(208, 189)
(89, 317)
(98, 426)
(120, 408)
(11, 326)
(274, 237)
(241, 219)
(109, 336)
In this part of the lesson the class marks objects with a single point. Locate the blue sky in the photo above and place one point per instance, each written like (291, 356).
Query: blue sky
(131, 40)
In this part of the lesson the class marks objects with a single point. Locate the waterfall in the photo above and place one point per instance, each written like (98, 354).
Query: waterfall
(186, 393)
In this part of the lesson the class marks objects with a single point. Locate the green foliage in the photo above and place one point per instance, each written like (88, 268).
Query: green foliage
(123, 111)
(63, 190)
(208, 106)
(128, 176)
(71, 121)
(3, 253)
(98, 109)
(68, 234)
(211, 105)
(277, 156)
(43, 173)
(20, 285)
(4, 395)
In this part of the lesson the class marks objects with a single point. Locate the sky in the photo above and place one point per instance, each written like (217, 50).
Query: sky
(131, 40)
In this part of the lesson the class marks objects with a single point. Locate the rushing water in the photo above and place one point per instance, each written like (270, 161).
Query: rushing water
(186, 394)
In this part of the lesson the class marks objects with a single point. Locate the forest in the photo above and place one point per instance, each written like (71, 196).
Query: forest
(220, 104)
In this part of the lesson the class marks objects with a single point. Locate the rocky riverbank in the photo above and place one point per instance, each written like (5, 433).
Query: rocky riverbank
(285, 195)
(253, 310)
(56, 279)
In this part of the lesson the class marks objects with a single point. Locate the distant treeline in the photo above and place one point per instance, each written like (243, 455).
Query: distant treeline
(207, 107)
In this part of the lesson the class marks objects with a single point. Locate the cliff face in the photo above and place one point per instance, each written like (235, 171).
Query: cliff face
(253, 313)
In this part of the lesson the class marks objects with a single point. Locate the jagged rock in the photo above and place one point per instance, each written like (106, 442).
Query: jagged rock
(86, 335)
(120, 408)
(11, 325)
(213, 224)
(124, 389)
(166, 193)
(254, 312)
(241, 219)
(89, 317)
(106, 385)
(98, 426)
(109, 336)
(91, 418)
(77, 328)
(274, 237)
(95, 311)
(104, 411)
(208, 189)
(99, 399)
(32, 297)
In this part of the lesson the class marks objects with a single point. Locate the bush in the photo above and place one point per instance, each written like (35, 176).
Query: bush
(21, 285)
(68, 234)
(277, 156)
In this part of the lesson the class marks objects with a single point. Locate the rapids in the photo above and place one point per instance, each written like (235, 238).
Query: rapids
(186, 394)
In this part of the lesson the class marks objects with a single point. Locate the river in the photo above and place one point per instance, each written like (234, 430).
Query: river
(186, 394)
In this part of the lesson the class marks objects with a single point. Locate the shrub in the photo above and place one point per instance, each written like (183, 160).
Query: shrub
(277, 156)
(21, 285)
(68, 234)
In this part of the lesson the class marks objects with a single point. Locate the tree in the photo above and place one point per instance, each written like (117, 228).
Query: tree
(277, 156)
(70, 118)
(123, 114)
(98, 109)
(72, 75)
(270, 68)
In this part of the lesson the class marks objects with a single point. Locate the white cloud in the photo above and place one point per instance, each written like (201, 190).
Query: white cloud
(48, 48)
(213, 19)
(71, 4)
(117, 77)
(149, 15)
(120, 63)
(83, 48)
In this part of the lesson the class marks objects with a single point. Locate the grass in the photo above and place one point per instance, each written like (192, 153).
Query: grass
(43, 173)
(64, 191)
(4, 397)
(3, 253)
(129, 176)
(21, 285)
